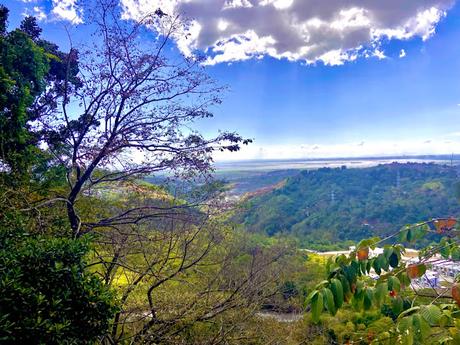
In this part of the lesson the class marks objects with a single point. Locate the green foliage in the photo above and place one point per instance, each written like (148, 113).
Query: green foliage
(23, 66)
(33, 74)
(46, 294)
(367, 202)
(416, 321)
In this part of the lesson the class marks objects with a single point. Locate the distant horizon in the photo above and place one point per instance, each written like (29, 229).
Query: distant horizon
(267, 165)
(442, 156)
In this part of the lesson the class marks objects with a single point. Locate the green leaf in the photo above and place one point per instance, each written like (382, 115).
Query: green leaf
(381, 290)
(409, 236)
(394, 284)
(363, 266)
(405, 324)
(405, 328)
(387, 251)
(455, 254)
(345, 286)
(367, 299)
(329, 301)
(397, 305)
(316, 307)
(404, 278)
(310, 296)
(444, 320)
(376, 266)
(321, 284)
(444, 248)
(383, 262)
(337, 291)
(431, 313)
(357, 300)
(421, 327)
(354, 265)
(393, 260)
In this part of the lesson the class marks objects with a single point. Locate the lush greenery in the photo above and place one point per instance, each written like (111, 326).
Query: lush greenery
(335, 205)
(46, 294)
(419, 316)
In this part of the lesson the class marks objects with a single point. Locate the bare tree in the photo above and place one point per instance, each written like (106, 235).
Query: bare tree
(131, 112)
(182, 269)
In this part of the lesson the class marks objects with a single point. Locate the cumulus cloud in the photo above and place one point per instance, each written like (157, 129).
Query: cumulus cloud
(402, 53)
(39, 13)
(68, 10)
(330, 31)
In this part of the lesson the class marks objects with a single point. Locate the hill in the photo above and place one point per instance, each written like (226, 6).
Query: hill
(328, 205)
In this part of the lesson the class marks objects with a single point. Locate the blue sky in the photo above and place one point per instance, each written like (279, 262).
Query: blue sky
(298, 105)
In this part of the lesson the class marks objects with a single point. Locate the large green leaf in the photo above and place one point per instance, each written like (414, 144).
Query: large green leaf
(383, 262)
(376, 265)
(393, 260)
(421, 327)
(316, 306)
(346, 287)
(409, 236)
(329, 301)
(397, 305)
(367, 299)
(406, 329)
(394, 284)
(381, 290)
(310, 296)
(387, 251)
(337, 291)
(363, 266)
(431, 313)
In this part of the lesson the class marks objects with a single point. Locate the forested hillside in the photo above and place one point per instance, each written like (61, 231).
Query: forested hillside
(331, 205)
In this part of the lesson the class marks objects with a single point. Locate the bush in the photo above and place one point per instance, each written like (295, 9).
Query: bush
(46, 295)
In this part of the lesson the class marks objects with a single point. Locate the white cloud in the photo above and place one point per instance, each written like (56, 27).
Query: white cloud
(379, 54)
(402, 53)
(39, 13)
(67, 10)
(330, 31)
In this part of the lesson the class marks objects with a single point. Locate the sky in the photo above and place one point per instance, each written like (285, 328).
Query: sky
(313, 78)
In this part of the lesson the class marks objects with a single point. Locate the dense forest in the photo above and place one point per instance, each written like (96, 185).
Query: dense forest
(334, 205)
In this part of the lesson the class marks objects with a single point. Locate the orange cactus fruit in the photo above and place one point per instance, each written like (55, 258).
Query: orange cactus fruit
(363, 253)
(456, 293)
(393, 293)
